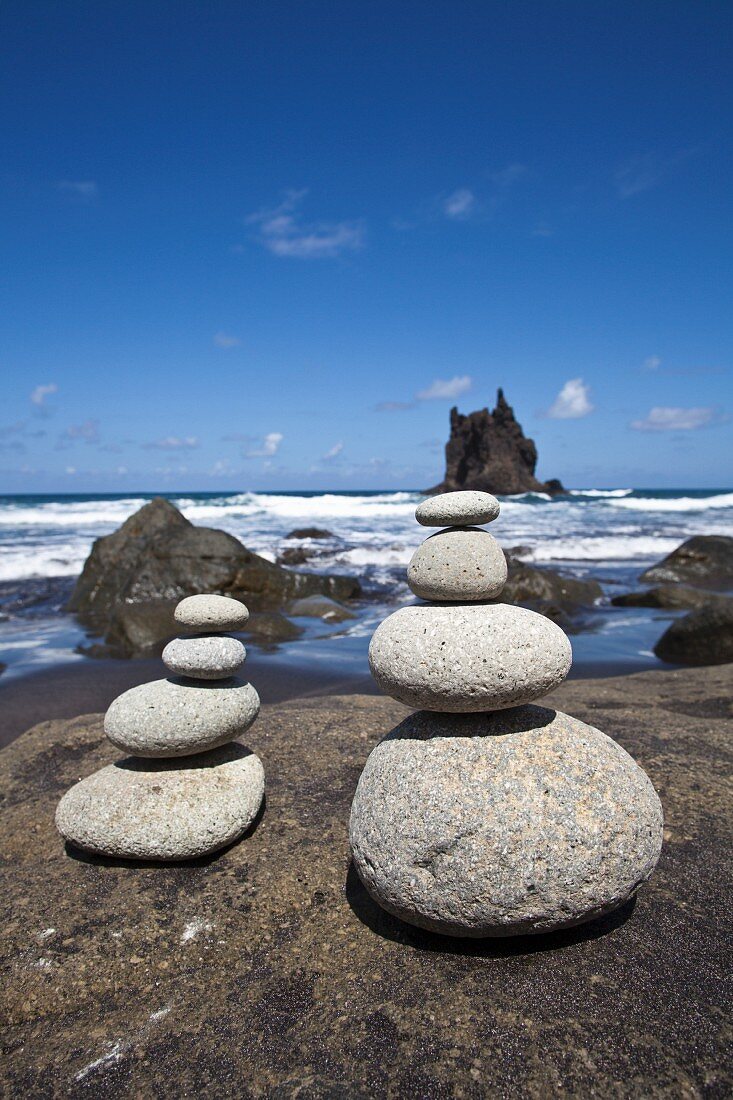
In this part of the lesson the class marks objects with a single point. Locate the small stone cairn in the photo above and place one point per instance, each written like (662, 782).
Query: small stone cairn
(188, 788)
(483, 814)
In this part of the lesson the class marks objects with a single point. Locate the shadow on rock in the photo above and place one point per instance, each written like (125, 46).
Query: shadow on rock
(392, 928)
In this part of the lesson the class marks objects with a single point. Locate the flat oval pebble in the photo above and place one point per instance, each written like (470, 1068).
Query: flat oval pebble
(460, 509)
(212, 658)
(211, 612)
(178, 718)
(471, 658)
(462, 563)
(164, 809)
(501, 824)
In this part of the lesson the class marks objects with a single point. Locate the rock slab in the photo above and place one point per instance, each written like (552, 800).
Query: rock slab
(164, 809)
(468, 658)
(463, 508)
(502, 824)
(460, 564)
(177, 718)
(213, 658)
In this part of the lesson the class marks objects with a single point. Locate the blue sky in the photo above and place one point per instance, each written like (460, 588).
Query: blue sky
(268, 245)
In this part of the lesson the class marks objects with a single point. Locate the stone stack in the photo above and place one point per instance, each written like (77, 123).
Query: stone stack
(483, 814)
(188, 788)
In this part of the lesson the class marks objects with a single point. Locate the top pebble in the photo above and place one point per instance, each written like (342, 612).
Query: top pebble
(465, 508)
(209, 612)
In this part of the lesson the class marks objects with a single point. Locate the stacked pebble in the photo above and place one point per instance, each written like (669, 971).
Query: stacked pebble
(188, 788)
(482, 814)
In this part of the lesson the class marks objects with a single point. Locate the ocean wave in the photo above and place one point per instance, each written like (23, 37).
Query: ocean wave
(600, 492)
(71, 513)
(674, 504)
(603, 548)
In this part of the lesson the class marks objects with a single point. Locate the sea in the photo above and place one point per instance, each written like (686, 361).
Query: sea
(610, 535)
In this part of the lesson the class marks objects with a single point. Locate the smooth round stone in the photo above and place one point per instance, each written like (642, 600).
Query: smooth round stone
(462, 563)
(211, 612)
(164, 809)
(212, 658)
(177, 718)
(459, 509)
(502, 824)
(472, 658)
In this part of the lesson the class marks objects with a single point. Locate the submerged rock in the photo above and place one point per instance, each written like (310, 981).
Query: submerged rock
(704, 637)
(705, 560)
(526, 820)
(310, 533)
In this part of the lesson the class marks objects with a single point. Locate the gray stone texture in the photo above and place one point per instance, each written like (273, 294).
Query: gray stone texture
(468, 658)
(461, 564)
(462, 508)
(164, 809)
(210, 658)
(502, 824)
(211, 612)
(177, 718)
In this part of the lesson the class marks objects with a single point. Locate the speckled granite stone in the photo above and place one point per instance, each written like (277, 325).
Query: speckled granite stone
(268, 971)
(164, 809)
(211, 658)
(525, 820)
(211, 612)
(468, 658)
(462, 563)
(464, 507)
(176, 717)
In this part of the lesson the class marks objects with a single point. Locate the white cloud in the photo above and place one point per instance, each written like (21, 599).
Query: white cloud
(460, 204)
(173, 443)
(122, 470)
(572, 402)
(442, 389)
(270, 446)
(334, 452)
(652, 362)
(508, 175)
(282, 232)
(84, 189)
(664, 418)
(40, 393)
(71, 470)
(224, 340)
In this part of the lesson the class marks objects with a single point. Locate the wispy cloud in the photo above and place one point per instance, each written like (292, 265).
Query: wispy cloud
(460, 204)
(508, 175)
(644, 172)
(394, 406)
(270, 446)
(282, 232)
(87, 432)
(40, 393)
(224, 340)
(446, 389)
(652, 362)
(83, 189)
(173, 443)
(665, 418)
(334, 452)
(572, 402)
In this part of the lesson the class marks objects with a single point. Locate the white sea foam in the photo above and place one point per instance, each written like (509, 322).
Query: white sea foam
(600, 492)
(603, 548)
(675, 504)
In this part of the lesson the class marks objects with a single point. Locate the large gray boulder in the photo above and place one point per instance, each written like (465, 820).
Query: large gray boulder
(704, 560)
(157, 557)
(704, 637)
(519, 821)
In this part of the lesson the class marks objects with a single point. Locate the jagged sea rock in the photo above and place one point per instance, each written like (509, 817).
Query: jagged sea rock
(164, 809)
(673, 597)
(177, 718)
(310, 533)
(158, 555)
(463, 658)
(212, 658)
(460, 563)
(521, 821)
(704, 637)
(466, 508)
(488, 451)
(703, 560)
(207, 612)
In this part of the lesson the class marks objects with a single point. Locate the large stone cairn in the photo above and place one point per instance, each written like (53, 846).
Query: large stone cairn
(483, 814)
(188, 788)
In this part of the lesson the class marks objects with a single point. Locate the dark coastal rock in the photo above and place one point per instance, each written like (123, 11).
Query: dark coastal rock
(490, 452)
(158, 557)
(704, 637)
(565, 600)
(310, 533)
(268, 971)
(674, 597)
(268, 628)
(320, 607)
(704, 560)
(294, 555)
